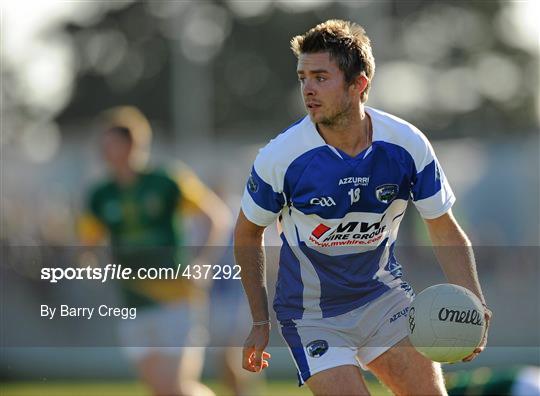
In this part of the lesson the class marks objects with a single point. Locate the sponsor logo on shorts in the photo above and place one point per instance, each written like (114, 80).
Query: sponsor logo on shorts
(399, 314)
(317, 348)
(386, 193)
(407, 288)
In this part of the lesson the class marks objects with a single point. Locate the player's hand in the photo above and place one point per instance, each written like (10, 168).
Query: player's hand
(487, 317)
(254, 358)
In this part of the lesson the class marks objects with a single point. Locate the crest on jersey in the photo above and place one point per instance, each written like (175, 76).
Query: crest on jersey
(252, 185)
(317, 348)
(386, 193)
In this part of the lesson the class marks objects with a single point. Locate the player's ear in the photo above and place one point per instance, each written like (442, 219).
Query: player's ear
(360, 83)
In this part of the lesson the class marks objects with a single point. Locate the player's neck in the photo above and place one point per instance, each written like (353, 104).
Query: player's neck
(351, 136)
(125, 175)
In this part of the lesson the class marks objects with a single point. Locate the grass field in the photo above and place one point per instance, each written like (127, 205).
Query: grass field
(60, 388)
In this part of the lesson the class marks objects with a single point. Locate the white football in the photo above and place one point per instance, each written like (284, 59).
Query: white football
(446, 322)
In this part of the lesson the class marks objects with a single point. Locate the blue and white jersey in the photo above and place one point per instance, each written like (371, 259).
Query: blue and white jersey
(340, 215)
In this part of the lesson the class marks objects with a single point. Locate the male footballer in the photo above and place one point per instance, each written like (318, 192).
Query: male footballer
(338, 181)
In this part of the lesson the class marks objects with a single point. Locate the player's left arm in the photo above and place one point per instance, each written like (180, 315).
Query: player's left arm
(455, 255)
(198, 198)
(90, 230)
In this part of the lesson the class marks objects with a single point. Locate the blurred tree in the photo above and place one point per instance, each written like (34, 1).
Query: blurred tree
(453, 68)
(122, 59)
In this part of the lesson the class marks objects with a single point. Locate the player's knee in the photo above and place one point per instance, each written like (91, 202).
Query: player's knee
(159, 375)
(405, 371)
(430, 383)
(162, 386)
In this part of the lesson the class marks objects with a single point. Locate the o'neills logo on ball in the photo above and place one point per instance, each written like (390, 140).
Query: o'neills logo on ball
(471, 316)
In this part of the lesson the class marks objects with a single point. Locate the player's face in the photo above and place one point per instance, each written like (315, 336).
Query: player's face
(116, 149)
(328, 99)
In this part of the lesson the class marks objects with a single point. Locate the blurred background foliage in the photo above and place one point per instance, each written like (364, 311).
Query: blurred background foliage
(217, 80)
(223, 69)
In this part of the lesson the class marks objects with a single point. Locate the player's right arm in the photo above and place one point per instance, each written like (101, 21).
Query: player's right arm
(262, 203)
(250, 256)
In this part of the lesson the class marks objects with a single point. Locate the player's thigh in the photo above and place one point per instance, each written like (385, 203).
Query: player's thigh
(406, 372)
(342, 380)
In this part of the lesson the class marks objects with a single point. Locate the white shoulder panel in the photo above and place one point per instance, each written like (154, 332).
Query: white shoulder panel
(274, 159)
(392, 129)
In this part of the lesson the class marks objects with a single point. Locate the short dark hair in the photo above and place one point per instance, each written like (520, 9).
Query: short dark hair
(347, 43)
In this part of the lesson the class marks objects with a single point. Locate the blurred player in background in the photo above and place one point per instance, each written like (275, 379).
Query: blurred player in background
(141, 210)
(229, 319)
(339, 181)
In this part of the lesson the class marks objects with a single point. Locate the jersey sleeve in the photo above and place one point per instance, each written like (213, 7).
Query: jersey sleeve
(263, 197)
(90, 228)
(431, 192)
(193, 192)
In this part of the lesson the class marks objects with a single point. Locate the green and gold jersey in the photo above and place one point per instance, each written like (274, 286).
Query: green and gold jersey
(143, 224)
